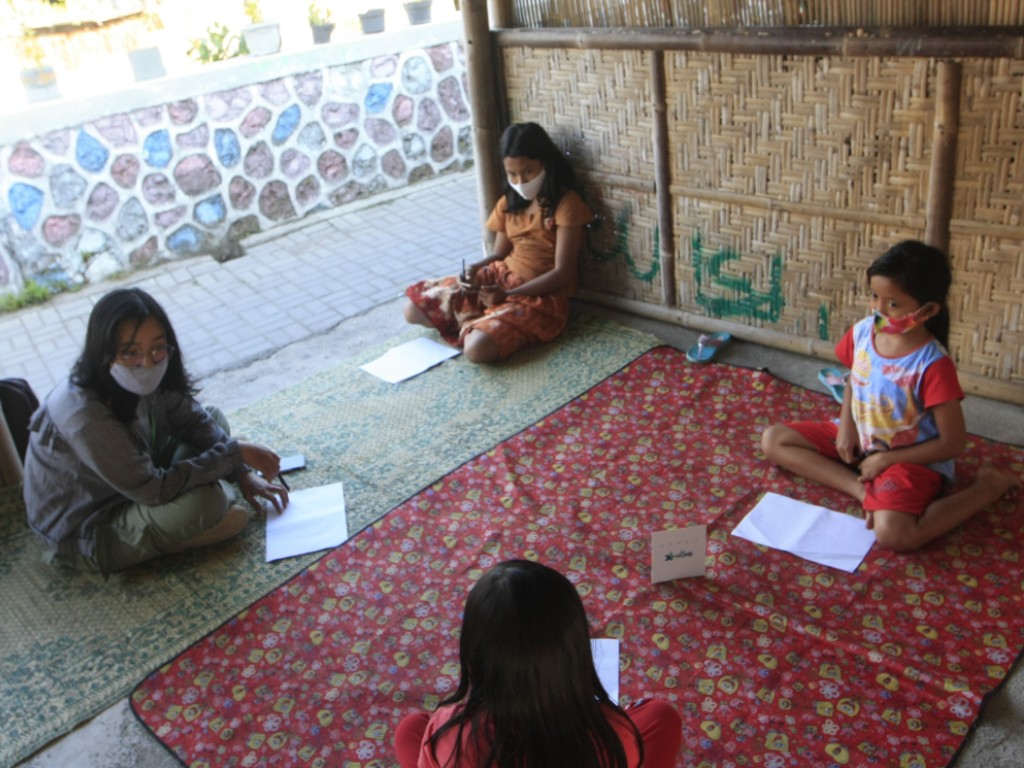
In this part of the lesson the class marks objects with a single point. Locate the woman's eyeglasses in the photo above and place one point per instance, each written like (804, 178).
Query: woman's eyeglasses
(136, 357)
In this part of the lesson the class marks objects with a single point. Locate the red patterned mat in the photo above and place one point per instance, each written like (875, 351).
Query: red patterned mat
(772, 661)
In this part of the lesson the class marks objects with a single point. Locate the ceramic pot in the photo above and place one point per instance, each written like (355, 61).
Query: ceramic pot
(262, 39)
(321, 33)
(372, 21)
(418, 11)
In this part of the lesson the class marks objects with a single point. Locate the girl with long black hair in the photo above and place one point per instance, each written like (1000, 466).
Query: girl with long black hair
(528, 693)
(123, 464)
(517, 296)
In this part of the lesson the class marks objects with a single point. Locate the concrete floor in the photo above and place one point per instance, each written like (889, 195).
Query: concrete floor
(115, 740)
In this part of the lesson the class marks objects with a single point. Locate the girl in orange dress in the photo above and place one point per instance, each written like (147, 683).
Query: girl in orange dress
(519, 295)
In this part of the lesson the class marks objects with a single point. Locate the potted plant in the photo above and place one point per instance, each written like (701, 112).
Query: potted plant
(418, 11)
(320, 21)
(219, 44)
(261, 38)
(372, 21)
(37, 77)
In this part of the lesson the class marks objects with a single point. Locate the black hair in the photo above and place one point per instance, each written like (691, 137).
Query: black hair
(92, 369)
(921, 271)
(532, 141)
(530, 696)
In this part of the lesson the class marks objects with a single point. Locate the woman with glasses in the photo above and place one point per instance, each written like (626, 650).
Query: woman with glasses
(123, 464)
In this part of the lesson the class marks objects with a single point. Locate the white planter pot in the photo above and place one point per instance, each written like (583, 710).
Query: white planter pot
(262, 39)
(40, 83)
(146, 63)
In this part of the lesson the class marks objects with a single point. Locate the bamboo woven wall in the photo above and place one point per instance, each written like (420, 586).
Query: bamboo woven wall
(765, 13)
(787, 176)
(812, 165)
(987, 227)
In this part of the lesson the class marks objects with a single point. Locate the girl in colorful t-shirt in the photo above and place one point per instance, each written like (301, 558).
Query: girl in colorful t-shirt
(901, 425)
(519, 295)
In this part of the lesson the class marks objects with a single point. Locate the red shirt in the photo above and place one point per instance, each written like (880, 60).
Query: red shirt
(446, 746)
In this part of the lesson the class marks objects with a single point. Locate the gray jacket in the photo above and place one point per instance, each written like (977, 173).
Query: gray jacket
(82, 462)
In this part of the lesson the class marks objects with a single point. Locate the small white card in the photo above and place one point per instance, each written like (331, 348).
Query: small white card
(409, 359)
(679, 553)
(313, 520)
(605, 651)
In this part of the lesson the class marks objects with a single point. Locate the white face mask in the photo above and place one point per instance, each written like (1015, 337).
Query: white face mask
(529, 190)
(139, 380)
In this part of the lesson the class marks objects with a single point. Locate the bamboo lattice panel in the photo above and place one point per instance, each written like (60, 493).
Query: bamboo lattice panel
(804, 165)
(798, 275)
(989, 191)
(768, 13)
(987, 246)
(597, 106)
(987, 334)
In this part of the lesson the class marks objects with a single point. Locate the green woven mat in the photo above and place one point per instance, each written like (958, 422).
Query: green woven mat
(73, 644)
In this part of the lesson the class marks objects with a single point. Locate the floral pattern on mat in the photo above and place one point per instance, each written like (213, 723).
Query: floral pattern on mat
(772, 661)
(72, 644)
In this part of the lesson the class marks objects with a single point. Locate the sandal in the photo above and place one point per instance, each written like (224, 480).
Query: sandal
(834, 382)
(707, 347)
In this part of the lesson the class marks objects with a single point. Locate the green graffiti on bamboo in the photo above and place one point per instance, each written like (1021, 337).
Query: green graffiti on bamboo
(739, 299)
(620, 249)
(823, 322)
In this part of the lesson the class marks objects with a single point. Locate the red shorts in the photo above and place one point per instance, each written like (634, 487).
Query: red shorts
(906, 488)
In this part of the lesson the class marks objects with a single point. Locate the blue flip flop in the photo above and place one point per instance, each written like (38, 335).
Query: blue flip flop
(834, 382)
(707, 347)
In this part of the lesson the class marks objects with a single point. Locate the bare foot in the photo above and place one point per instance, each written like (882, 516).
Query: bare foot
(993, 484)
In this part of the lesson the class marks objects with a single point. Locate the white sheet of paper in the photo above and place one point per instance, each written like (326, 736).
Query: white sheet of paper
(814, 533)
(605, 651)
(679, 553)
(408, 359)
(314, 519)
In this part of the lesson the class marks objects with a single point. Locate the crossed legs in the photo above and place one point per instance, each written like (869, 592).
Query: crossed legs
(894, 530)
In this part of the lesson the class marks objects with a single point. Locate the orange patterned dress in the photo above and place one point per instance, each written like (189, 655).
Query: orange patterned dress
(519, 321)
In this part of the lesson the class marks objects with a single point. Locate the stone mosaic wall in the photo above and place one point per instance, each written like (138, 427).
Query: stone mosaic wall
(197, 175)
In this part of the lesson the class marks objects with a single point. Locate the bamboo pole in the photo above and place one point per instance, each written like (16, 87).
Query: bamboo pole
(912, 42)
(501, 13)
(484, 90)
(662, 180)
(942, 176)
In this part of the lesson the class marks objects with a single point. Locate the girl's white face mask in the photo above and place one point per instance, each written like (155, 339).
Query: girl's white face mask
(139, 380)
(529, 190)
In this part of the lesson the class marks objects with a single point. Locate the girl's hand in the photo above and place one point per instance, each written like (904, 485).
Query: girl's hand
(848, 443)
(492, 295)
(255, 487)
(263, 460)
(874, 465)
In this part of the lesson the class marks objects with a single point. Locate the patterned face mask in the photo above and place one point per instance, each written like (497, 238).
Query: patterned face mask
(899, 325)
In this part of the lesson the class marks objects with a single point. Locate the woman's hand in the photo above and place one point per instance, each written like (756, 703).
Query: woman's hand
(263, 460)
(255, 487)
